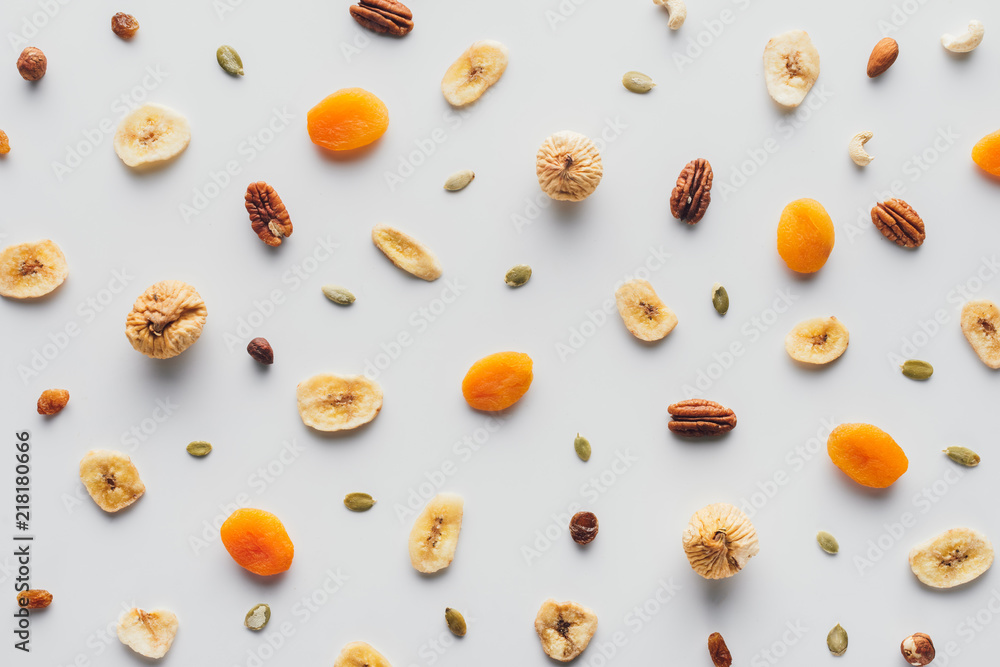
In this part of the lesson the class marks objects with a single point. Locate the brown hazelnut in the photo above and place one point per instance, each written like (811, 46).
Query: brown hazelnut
(918, 649)
(261, 351)
(32, 64)
(583, 527)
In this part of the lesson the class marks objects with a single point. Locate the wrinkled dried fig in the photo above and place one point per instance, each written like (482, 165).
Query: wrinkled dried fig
(568, 166)
(166, 320)
(719, 541)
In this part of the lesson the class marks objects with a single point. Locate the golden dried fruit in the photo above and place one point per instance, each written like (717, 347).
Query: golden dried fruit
(151, 133)
(717, 649)
(34, 598)
(791, 67)
(954, 557)
(31, 270)
(166, 319)
(981, 326)
(111, 479)
(148, 633)
(434, 537)
(477, 69)
(719, 540)
(329, 402)
(4, 143)
(817, 341)
(124, 25)
(52, 401)
(360, 654)
(645, 315)
(406, 252)
(568, 166)
(565, 629)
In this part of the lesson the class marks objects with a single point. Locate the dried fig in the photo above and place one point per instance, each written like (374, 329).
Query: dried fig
(569, 166)
(166, 320)
(719, 541)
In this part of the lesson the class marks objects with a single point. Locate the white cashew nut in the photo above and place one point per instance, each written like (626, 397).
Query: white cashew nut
(856, 149)
(676, 9)
(965, 42)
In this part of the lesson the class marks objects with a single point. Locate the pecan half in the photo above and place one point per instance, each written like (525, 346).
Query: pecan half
(721, 657)
(693, 192)
(268, 217)
(697, 418)
(899, 223)
(383, 16)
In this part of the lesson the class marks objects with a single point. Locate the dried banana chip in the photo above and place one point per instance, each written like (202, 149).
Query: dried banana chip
(31, 270)
(360, 654)
(434, 537)
(111, 479)
(151, 133)
(644, 313)
(565, 629)
(817, 341)
(148, 633)
(329, 402)
(791, 67)
(477, 69)
(166, 319)
(954, 557)
(719, 541)
(981, 326)
(406, 252)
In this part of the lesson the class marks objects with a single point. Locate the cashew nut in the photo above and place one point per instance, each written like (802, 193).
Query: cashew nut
(677, 11)
(857, 151)
(965, 42)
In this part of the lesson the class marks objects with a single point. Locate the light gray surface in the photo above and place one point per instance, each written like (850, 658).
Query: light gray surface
(563, 74)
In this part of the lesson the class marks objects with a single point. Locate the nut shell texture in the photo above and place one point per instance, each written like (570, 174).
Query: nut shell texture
(569, 167)
(166, 319)
(719, 540)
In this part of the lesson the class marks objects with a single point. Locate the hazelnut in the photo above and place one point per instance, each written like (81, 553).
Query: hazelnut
(918, 649)
(583, 527)
(32, 64)
(261, 351)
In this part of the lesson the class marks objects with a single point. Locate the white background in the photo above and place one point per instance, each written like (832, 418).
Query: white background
(566, 61)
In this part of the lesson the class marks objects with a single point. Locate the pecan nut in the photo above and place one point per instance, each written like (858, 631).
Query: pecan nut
(268, 216)
(721, 657)
(693, 192)
(899, 223)
(697, 418)
(583, 527)
(383, 16)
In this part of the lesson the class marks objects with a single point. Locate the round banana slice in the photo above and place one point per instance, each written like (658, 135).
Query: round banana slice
(981, 326)
(791, 67)
(329, 402)
(954, 557)
(434, 537)
(817, 341)
(644, 313)
(151, 133)
(31, 270)
(565, 629)
(719, 541)
(148, 633)
(477, 69)
(360, 654)
(111, 479)
(406, 252)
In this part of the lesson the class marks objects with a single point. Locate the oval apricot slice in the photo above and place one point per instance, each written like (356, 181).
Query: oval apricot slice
(257, 541)
(347, 119)
(986, 153)
(498, 381)
(867, 454)
(805, 236)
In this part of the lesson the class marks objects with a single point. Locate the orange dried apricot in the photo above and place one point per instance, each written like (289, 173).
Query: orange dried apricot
(986, 153)
(349, 118)
(805, 235)
(867, 454)
(257, 541)
(498, 381)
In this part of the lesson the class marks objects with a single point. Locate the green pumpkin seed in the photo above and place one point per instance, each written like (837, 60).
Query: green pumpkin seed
(720, 299)
(962, 455)
(229, 60)
(836, 641)
(637, 82)
(456, 622)
(582, 447)
(827, 542)
(358, 502)
(459, 180)
(916, 369)
(518, 275)
(339, 295)
(199, 448)
(257, 617)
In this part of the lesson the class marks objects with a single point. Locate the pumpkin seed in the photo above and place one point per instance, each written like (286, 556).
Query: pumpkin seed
(358, 502)
(720, 299)
(199, 448)
(456, 622)
(836, 641)
(518, 275)
(257, 617)
(962, 455)
(916, 369)
(827, 542)
(582, 447)
(339, 295)
(637, 82)
(459, 180)
(229, 60)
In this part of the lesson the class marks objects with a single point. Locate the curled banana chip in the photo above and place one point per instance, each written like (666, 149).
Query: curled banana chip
(329, 402)
(148, 633)
(954, 557)
(817, 341)
(111, 479)
(565, 629)
(360, 654)
(151, 133)
(434, 537)
(31, 270)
